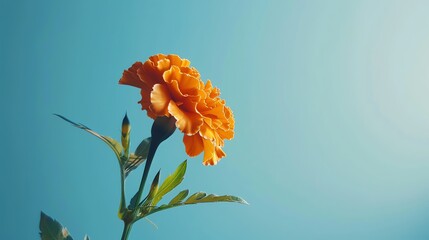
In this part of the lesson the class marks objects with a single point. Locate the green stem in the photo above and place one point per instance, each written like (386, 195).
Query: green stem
(162, 128)
(127, 225)
(152, 149)
(127, 230)
(122, 204)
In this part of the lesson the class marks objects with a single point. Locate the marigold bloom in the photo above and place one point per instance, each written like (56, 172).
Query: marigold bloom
(170, 87)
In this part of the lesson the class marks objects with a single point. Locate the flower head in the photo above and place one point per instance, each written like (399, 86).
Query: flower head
(170, 87)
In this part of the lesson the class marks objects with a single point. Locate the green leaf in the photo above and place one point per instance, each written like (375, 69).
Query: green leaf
(133, 201)
(132, 163)
(148, 199)
(138, 157)
(163, 207)
(116, 146)
(194, 197)
(153, 190)
(147, 204)
(113, 144)
(143, 148)
(170, 182)
(51, 229)
(199, 197)
(179, 197)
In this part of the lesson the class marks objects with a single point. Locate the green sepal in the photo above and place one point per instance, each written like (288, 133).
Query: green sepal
(51, 229)
(170, 182)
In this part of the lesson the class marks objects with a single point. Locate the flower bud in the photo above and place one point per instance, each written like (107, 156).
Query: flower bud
(125, 133)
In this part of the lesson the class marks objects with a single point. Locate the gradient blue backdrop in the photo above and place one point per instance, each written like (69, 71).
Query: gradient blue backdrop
(330, 99)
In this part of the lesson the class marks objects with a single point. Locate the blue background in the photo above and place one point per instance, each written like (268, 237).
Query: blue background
(330, 99)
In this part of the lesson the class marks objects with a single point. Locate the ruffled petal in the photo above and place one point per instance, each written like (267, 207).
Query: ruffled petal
(163, 65)
(130, 77)
(207, 133)
(145, 101)
(160, 98)
(172, 74)
(212, 153)
(149, 74)
(188, 122)
(216, 112)
(208, 153)
(189, 85)
(157, 57)
(193, 144)
(177, 61)
(225, 134)
(212, 123)
(182, 87)
(178, 96)
(190, 71)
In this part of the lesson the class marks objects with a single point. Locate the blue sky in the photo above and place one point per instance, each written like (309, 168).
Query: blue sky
(332, 125)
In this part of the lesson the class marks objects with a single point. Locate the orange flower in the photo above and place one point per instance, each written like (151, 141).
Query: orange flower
(171, 88)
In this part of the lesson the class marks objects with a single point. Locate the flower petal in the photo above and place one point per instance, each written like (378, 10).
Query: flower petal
(212, 153)
(207, 133)
(188, 84)
(145, 101)
(191, 71)
(225, 134)
(160, 98)
(130, 77)
(149, 74)
(163, 65)
(193, 144)
(177, 61)
(215, 112)
(178, 96)
(188, 122)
